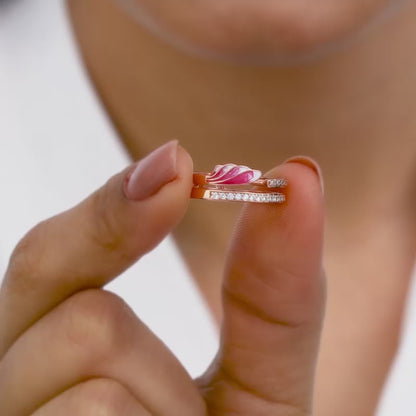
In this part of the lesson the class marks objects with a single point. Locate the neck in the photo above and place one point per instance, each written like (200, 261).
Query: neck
(352, 111)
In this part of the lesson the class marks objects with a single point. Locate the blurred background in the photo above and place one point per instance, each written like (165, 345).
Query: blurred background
(43, 172)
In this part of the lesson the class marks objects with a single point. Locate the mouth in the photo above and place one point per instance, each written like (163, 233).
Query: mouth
(257, 30)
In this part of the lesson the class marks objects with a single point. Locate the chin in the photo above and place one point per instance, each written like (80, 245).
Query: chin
(259, 30)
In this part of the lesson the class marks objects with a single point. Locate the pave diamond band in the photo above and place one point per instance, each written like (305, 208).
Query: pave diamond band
(237, 196)
(247, 196)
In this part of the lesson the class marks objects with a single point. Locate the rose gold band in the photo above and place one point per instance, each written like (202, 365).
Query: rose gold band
(261, 190)
(262, 183)
(237, 196)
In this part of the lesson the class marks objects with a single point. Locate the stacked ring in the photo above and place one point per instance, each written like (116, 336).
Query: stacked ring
(236, 183)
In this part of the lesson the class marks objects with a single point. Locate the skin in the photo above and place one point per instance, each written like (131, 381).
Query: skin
(102, 359)
(251, 31)
(335, 82)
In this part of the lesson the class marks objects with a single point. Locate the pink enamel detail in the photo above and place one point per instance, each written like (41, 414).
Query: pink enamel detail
(232, 174)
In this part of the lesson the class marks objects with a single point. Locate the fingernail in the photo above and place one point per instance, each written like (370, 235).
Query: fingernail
(151, 173)
(305, 160)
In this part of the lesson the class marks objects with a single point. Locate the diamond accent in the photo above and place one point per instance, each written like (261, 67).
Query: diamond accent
(276, 183)
(259, 197)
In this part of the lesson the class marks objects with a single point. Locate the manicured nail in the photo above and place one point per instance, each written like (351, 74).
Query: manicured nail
(152, 172)
(305, 160)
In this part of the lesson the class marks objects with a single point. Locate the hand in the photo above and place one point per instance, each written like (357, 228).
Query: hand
(68, 347)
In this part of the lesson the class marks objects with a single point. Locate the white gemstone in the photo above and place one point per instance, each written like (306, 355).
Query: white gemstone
(276, 183)
(223, 196)
(245, 197)
(267, 198)
(238, 197)
(230, 196)
(214, 195)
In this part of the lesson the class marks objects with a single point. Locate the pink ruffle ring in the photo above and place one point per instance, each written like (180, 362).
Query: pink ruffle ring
(236, 183)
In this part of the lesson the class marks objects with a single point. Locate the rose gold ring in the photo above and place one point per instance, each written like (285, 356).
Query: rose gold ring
(232, 182)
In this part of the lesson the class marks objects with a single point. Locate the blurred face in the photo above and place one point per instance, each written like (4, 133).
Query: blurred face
(258, 29)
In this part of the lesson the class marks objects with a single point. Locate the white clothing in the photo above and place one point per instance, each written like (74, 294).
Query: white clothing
(57, 145)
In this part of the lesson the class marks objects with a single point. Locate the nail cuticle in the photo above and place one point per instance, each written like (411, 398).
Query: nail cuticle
(312, 164)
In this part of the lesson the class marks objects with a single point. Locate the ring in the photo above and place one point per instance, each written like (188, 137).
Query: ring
(232, 182)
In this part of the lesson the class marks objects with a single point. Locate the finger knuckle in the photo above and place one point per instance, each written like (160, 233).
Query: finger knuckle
(95, 321)
(105, 229)
(276, 297)
(102, 397)
(27, 256)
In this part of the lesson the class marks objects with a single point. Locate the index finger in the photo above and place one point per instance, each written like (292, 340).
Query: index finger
(92, 243)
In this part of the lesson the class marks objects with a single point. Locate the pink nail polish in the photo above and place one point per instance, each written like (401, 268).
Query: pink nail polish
(152, 172)
(311, 163)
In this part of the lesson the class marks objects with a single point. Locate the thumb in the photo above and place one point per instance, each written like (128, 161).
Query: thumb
(90, 244)
(273, 299)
